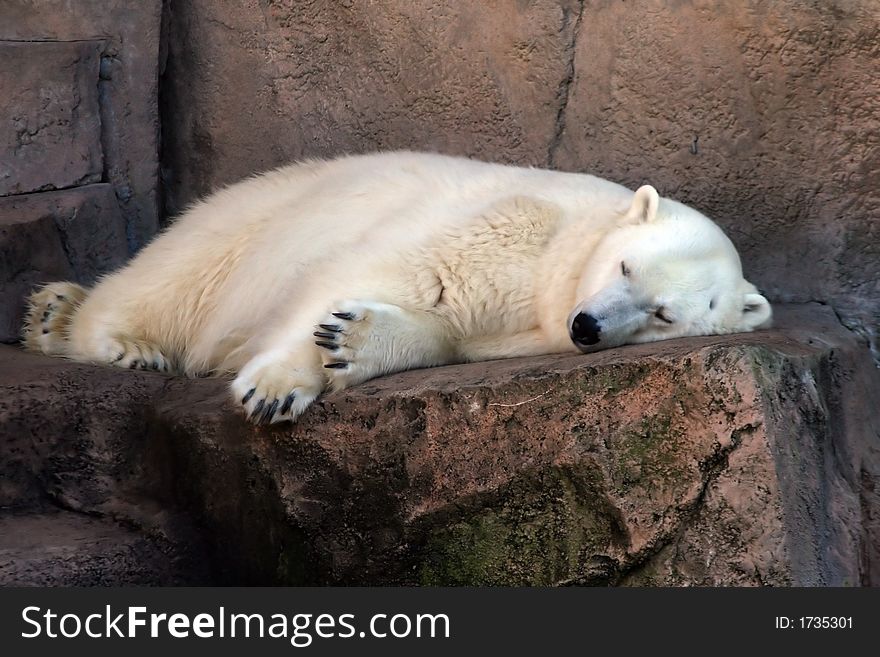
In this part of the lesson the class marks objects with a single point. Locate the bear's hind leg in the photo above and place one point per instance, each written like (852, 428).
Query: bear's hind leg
(62, 321)
(109, 333)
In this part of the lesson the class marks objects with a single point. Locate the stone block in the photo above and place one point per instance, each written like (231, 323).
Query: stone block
(50, 131)
(75, 234)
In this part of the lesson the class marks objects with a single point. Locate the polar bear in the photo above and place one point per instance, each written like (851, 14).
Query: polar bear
(324, 274)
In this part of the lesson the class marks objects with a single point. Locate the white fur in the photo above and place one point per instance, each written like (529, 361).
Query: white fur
(429, 259)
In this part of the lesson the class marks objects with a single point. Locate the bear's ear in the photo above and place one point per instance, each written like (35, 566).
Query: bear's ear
(756, 311)
(644, 205)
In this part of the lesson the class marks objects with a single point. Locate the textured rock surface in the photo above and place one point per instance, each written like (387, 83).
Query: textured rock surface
(30, 251)
(59, 548)
(50, 133)
(73, 234)
(322, 78)
(763, 115)
(747, 459)
(126, 85)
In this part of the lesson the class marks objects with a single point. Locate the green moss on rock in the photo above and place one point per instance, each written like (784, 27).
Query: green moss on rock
(542, 529)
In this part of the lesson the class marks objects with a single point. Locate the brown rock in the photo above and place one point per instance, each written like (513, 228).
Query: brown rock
(51, 127)
(736, 460)
(58, 548)
(88, 219)
(31, 252)
(127, 88)
(75, 234)
(252, 85)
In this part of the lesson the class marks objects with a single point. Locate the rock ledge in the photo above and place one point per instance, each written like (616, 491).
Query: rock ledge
(735, 460)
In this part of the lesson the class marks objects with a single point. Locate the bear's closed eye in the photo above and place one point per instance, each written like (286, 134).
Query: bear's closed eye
(660, 314)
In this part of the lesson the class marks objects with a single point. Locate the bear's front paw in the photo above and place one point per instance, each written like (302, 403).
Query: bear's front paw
(271, 390)
(354, 347)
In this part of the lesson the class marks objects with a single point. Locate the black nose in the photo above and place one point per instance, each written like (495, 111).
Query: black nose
(585, 329)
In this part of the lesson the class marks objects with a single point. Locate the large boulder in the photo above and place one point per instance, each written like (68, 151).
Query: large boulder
(737, 460)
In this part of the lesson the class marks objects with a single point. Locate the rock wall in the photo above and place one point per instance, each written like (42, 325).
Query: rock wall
(79, 133)
(763, 115)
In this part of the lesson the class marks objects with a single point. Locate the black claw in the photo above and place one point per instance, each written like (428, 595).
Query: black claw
(336, 366)
(269, 412)
(324, 334)
(132, 365)
(248, 395)
(156, 365)
(258, 408)
(288, 402)
(335, 328)
(347, 316)
(118, 358)
(330, 346)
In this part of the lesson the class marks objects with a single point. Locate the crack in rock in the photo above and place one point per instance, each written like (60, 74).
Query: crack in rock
(712, 467)
(564, 92)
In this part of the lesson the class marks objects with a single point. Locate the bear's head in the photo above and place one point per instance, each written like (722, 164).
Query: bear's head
(664, 271)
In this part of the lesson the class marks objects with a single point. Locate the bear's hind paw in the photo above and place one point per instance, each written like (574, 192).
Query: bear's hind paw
(138, 355)
(48, 316)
